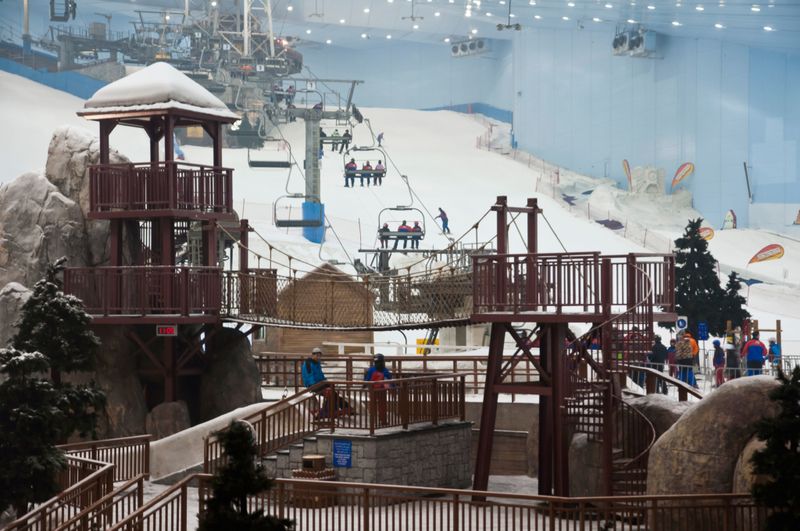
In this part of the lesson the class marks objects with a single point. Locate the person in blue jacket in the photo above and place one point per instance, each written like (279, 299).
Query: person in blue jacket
(312, 369)
(756, 353)
(774, 354)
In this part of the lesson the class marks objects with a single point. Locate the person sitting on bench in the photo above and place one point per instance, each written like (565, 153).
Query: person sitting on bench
(378, 176)
(402, 228)
(366, 166)
(351, 166)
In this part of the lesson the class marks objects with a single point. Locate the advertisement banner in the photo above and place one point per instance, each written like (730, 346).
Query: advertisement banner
(627, 168)
(706, 233)
(770, 252)
(682, 173)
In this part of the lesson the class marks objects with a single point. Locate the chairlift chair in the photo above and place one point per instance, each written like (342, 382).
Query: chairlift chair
(271, 164)
(362, 159)
(286, 222)
(410, 214)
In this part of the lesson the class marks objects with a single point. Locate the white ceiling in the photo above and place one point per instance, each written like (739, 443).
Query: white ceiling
(740, 23)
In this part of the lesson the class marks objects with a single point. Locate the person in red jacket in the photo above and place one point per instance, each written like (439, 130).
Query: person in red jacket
(351, 166)
(366, 166)
(402, 228)
(756, 353)
(415, 239)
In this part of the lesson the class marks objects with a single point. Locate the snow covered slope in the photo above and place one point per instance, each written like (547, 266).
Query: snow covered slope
(436, 150)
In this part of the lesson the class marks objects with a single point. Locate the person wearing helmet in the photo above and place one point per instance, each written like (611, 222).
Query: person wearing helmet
(384, 237)
(351, 166)
(774, 354)
(402, 228)
(673, 369)
(658, 356)
(684, 358)
(719, 363)
(379, 373)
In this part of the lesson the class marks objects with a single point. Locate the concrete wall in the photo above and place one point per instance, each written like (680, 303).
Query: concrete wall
(105, 72)
(430, 456)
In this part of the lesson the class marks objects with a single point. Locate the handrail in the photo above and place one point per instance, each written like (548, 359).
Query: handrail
(159, 162)
(38, 518)
(408, 401)
(102, 505)
(683, 387)
(129, 462)
(547, 513)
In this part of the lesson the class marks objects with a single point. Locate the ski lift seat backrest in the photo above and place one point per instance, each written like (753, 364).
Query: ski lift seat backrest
(270, 164)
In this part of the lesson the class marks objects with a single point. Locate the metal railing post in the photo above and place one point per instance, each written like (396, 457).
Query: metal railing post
(365, 523)
(455, 512)
(404, 409)
(435, 402)
(372, 409)
(184, 500)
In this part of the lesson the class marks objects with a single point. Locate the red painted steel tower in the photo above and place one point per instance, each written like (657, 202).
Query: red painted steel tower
(151, 207)
(577, 385)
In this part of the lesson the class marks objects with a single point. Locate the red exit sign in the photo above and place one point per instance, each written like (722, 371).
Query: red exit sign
(167, 330)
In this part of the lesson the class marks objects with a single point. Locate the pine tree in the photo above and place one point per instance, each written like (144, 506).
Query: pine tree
(31, 414)
(780, 460)
(239, 478)
(698, 294)
(732, 303)
(56, 325)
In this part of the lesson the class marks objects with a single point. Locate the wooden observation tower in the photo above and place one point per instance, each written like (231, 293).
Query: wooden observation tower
(580, 379)
(151, 208)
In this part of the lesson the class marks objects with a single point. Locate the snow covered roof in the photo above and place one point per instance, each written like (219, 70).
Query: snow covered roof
(159, 86)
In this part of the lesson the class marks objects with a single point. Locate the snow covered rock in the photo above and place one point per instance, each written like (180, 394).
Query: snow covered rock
(648, 180)
(585, 467)
(72, 149)
(38, 225)
(12, 297)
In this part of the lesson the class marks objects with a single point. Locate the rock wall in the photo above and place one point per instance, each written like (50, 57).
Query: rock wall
(702, 452)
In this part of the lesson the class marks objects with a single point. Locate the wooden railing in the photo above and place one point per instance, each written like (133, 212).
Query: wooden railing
(160, 186)
(564, 283)
(113, 507)
(129, 455)
(337, 506)
(84, 481)
(146, 290)
(87, 484)
(354, 405)
(285, 370)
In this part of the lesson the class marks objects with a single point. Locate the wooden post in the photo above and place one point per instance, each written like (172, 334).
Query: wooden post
(545, 419)
(489, 411)
(435, 402)
(559, 376)
(404, 412)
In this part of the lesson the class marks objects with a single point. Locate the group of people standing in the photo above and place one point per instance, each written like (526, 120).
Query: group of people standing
(683, 355)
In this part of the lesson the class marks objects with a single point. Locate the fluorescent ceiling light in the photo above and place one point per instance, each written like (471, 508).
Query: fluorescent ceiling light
(537, 16)
(328, 41)
(699, 8)
(676, 23)
(755, 9)
(388, 36)
(341, 21)
(416, 26)
(474, 31)
(631, 21)
(565, 18)
(596, 19)
(718, 26)
(447, 39)
(768, 28)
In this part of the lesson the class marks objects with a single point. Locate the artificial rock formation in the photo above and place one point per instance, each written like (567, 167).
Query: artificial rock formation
(699, 454)
(12, 297)
(38, 225)
(661, 410)
(168, 419)
(231, 378)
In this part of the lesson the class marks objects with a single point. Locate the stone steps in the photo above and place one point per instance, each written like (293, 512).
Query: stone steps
(281, 463)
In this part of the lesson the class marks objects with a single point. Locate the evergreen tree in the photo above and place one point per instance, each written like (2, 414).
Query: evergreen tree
(36, 414)
(733, 303)
(239, 478)
(698, 294)
(55, 325)
(780, 460)
(31, 415)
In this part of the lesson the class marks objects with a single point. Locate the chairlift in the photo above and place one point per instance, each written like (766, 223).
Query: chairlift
(397, 215)
(287, 222)
(273, 164)
(363, 157)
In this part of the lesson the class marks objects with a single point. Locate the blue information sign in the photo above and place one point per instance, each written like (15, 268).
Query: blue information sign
(342, 451)
(702, 331)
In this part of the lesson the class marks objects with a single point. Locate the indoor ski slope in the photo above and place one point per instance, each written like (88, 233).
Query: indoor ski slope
(436, 150)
